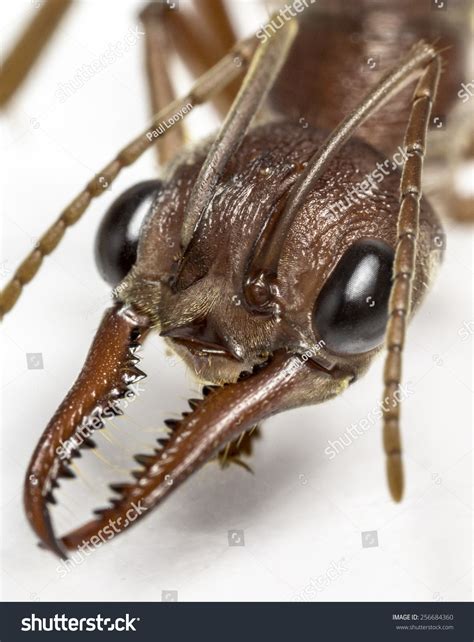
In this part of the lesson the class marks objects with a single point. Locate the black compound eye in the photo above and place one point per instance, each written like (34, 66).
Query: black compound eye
(350, 314)
(117, 237)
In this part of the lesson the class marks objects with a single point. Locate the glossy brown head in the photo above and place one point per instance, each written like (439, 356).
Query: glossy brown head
(329, 293)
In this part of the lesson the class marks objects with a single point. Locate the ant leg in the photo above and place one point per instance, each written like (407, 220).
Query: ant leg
(167, 28)
(217, 17)
(155, 22)
(210, 83)
(33, 40)
(202, 37)
(404, 266)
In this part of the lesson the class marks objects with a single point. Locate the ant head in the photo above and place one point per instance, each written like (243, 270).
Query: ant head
(235, 294)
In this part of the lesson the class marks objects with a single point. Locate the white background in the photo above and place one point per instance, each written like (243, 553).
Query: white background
(302, 514)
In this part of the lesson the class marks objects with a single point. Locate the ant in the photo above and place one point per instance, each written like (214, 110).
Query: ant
(261, 258)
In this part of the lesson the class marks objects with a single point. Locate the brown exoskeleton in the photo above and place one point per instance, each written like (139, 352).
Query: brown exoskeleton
(274, 285)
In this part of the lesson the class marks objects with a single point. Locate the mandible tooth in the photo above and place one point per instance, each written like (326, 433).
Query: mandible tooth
(66, 472)
(144, 460)
(121, 489)
(137, 373)
(208, 389)
(101, 511)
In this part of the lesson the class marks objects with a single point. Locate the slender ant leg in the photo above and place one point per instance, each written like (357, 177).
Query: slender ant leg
(31, 43)
(202, 37)
(155, 24)
(170, 29)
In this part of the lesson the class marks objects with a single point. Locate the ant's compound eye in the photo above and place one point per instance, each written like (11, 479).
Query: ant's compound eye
(351, 311)
(117, 237)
